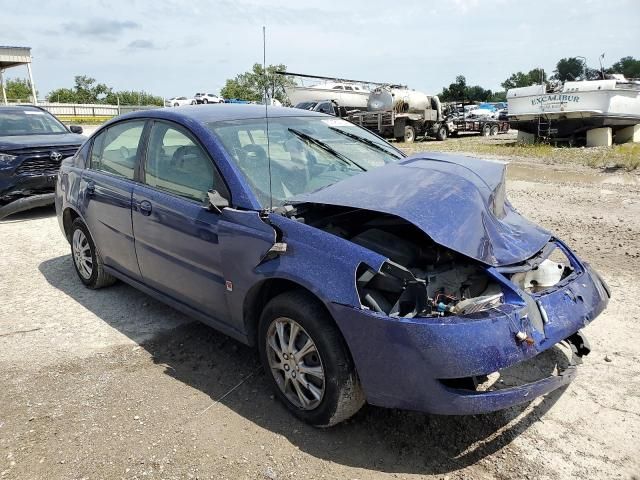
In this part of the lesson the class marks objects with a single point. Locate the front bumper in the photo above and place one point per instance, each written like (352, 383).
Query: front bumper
(402, 361)
(22, 192)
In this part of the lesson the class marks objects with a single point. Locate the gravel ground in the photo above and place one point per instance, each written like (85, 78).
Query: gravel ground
(112, 384)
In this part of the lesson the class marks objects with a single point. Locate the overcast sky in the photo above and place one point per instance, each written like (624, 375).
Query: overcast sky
(179, 47)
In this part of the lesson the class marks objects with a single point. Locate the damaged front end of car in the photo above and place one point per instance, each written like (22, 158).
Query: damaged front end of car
(440, 329)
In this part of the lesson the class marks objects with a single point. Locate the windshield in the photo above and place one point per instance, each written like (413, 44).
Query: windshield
(306, 105)
(307, 153)
(29, 122)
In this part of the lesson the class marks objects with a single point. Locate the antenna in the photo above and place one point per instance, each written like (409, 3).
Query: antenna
(266, 108)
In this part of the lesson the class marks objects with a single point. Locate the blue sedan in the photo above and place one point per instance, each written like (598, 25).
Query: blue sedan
(360, 274)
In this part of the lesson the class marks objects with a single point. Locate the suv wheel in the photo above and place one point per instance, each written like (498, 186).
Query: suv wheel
(307, 360)
(86, 258)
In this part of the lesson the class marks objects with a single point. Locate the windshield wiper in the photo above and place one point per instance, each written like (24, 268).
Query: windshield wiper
(325, 147)
(366, 141)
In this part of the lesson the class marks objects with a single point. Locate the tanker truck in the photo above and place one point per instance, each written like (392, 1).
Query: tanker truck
(404, 114)
(395, 111)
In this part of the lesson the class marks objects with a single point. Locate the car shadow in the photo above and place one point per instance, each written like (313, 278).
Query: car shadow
(31, 214)
(386, 440)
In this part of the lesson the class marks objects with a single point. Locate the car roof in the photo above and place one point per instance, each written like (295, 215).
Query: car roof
(221, 112)
(10, 108)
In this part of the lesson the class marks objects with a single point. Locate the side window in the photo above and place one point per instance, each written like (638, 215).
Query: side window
(325, 108)
(178, 165)
(115, 149)
(338, 87)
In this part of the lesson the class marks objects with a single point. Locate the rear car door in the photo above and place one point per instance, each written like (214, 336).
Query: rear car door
(106, 189)
(176, 238)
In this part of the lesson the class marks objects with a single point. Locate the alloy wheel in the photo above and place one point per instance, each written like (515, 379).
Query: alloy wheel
(295, 363)
(82, 254)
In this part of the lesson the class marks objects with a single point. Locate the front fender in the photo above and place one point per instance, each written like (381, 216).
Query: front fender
(321, 262)
(324, 263)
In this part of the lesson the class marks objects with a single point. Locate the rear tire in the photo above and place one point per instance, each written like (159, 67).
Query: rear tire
(205, 101)
(334, 392)
(486, 131)
(86, 258)
(494, 130)
(409, 134)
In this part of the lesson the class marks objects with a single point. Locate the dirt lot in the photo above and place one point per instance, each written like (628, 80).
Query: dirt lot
(112, 384)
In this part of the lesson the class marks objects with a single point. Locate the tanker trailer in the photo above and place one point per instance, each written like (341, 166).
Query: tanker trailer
(400, 100)
(404, 114)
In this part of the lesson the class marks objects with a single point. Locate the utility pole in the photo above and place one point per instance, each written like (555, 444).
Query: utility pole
(33, 87)
(4, 92)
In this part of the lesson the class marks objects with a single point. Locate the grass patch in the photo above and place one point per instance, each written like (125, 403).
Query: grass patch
(80, 120)
(626, 156)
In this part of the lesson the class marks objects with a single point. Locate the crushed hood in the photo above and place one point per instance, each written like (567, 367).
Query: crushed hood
(458, 201)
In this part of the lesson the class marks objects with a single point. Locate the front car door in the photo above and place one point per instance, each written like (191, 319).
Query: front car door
(176, 238)
(106, 189)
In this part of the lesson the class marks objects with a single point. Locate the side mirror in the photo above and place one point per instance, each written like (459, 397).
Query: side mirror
(216, 201)
(75, 128)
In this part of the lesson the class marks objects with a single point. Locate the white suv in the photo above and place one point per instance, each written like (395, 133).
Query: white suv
(207, 98)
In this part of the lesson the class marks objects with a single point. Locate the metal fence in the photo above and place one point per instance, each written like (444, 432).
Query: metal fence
(90, 110)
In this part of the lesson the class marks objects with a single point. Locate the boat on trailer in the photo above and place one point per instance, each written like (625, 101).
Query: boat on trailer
(350, 94)
(571, 109)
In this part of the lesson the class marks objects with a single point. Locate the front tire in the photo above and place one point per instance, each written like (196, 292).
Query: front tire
(307, 360)
(86, 258)
(441, 134)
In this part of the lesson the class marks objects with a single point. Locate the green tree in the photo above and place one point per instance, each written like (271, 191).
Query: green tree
(87, 90)
(251, 85)
(132, 97)
(569, 69)
(628, 66)
(62, 95)
(499, 97)
(18, 89)
(522, 79)
(460, 91)
(456, 90)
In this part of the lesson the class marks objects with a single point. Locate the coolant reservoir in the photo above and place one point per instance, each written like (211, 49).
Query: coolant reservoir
(546, 275)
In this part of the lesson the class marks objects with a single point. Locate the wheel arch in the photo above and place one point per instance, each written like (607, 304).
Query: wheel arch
(261, 293)
(68, 216)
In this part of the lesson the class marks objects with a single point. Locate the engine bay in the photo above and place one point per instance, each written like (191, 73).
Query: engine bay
(422, 278)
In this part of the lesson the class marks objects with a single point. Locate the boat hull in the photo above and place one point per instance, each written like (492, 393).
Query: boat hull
(579, 107)
(313, 94)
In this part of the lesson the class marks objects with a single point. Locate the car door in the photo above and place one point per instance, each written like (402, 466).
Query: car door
(106, 190)
(176, 237)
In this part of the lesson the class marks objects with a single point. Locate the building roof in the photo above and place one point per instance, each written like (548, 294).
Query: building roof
(14, 56)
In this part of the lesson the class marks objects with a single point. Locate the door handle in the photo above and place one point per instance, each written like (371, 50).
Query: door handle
(145, 207)
(91, 188)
